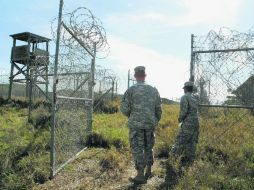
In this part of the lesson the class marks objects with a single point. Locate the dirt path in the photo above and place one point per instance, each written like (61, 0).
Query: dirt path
(124, 184)
(85, 174)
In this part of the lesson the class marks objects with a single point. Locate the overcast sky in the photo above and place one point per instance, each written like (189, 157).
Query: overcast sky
(153, 33)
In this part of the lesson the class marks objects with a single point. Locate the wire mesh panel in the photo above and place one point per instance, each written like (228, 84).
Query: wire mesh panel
(73, 107)
(3, 85)
(224, 75)
(224, 67)
(70, 128)
(79, 39)
(217, 124)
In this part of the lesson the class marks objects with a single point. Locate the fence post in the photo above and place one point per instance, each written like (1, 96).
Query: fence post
(128, 79)
(91, 93)
(52, 152)
(47, 71)
(113, 89)
(116, 88)
(11, 82)
(192, 59)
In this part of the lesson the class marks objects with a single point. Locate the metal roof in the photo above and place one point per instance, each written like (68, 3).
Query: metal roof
(27, 36)
(246, 85)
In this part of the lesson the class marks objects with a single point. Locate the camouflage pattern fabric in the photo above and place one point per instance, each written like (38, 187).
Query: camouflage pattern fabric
(187, 137)
(142, 142)
(141, 103)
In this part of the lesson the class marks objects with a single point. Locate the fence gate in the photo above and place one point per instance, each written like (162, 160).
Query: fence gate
(222, 66)
(78, 37)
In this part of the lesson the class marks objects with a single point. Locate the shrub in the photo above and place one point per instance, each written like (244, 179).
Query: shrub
(96, 140)
(107, 106)
(113, 160)
(40, 117)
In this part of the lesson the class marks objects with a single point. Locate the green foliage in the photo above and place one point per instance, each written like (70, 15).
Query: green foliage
(40, 117)
(166, 131)
(223, 161)
(13, 181)
(113, 129)
(24, 160)
(107, 106)
(113, 160)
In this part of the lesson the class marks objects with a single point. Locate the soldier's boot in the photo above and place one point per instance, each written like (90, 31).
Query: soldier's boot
(186, 161)
(148, 172)
(139, 178)
(171, 175)
(184, 164)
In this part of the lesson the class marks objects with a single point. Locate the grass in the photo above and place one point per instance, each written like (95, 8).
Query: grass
(24, 158)
(225, 152)
(113, 128)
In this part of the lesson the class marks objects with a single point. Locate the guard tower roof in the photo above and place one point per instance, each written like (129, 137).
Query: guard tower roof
(27, 36)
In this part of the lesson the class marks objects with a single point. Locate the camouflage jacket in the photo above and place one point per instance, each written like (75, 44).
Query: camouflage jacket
(141, 103)
(188, 109)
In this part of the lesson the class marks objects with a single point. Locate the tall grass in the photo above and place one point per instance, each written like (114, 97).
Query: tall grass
(24, 158)
(225, 152)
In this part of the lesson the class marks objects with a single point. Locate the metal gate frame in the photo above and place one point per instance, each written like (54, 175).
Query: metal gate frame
(53, 169)
(192, 70)
(209, 105)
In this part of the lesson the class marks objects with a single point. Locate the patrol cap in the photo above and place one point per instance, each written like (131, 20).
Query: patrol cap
(140, 70)
(188, 84)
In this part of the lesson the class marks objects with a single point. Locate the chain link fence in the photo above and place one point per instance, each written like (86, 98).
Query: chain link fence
(80, 40)
(223, 69)
(4, 85)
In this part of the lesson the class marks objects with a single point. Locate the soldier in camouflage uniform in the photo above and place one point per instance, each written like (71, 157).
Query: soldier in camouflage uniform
(141, 103)
(187, 138)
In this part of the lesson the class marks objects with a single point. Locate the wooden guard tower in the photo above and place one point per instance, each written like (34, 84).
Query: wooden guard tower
(29, 63)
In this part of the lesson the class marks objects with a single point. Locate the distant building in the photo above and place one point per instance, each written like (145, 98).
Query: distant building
(245, 92)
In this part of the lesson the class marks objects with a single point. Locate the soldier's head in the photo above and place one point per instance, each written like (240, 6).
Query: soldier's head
(188, 86)
(140, 73)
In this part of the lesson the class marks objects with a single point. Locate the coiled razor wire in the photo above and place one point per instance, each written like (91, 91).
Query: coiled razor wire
(226, 64)
(82, 36)
(224, 75)
(73, 58)
(87, 28)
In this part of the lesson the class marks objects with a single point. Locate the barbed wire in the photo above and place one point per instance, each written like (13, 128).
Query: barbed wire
(224, 39)
(224, 61)
(224, 75)
(80, 31)
(87, 28)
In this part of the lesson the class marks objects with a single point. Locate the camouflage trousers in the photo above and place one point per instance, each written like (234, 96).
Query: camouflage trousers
(142, 142)
(186, 141)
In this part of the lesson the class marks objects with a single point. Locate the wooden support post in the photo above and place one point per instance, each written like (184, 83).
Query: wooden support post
(30, 95)
(11, 73)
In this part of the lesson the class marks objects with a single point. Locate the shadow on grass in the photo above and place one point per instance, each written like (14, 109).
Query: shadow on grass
(134, 186)
(171, 178)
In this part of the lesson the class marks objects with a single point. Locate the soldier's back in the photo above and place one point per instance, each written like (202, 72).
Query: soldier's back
(192, 105)
(143, 102)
